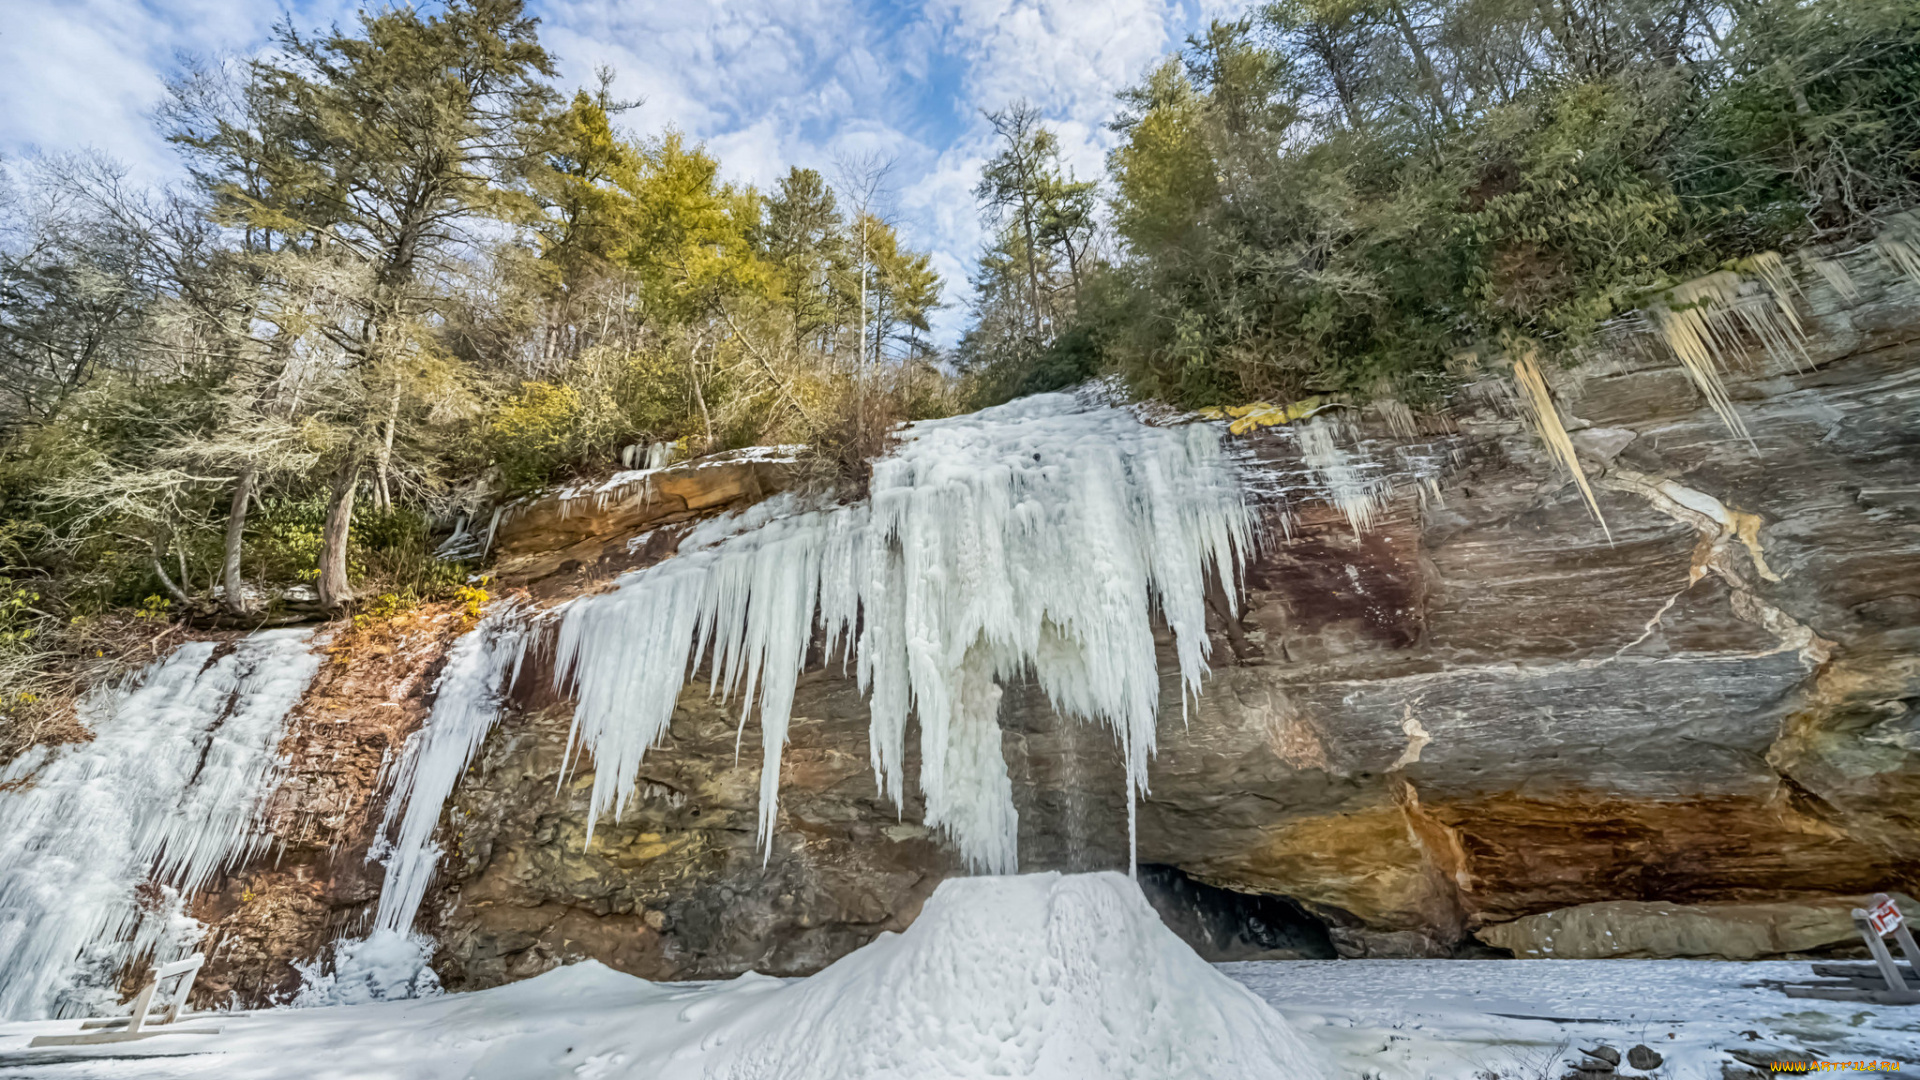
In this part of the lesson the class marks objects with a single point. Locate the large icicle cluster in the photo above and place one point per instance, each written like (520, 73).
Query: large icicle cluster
(466, 704)
(166, 794)
(1035, 539)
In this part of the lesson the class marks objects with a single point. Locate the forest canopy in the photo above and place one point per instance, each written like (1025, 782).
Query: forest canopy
(1338, 196)
(410, 278)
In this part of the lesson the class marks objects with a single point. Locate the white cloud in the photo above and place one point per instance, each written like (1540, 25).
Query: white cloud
(87, 74)
(766, 83)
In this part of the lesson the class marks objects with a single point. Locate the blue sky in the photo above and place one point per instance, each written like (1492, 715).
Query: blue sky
(765, 83)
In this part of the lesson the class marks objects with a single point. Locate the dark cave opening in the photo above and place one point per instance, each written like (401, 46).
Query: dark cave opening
(1223, 925)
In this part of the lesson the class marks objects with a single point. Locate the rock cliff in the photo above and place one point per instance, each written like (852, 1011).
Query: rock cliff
(1484, 707)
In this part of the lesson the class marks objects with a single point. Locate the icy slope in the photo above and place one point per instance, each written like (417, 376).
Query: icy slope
(1064, 977)
(99, 840)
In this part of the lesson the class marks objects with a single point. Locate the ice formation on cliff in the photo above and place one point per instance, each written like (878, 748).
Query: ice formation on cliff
(101, 840)
(480, 667)
(1039, 538)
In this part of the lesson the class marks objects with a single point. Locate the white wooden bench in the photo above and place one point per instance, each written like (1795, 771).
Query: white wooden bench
(1883, 982)
(145, 1023)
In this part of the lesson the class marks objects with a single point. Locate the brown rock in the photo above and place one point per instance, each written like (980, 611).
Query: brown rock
(575, 538)
(1620, 929)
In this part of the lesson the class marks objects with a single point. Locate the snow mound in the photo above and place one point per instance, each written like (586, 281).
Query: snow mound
(1067, 977)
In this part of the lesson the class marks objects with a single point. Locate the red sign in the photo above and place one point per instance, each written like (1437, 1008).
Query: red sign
(1884, 917)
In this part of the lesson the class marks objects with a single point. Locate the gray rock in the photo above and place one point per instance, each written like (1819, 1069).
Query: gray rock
(1604, 1053)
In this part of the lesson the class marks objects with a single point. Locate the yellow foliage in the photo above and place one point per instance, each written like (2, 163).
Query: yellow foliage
(471, 600)
(539, 412)
(1260, 414)
(689, 236)
(383, 607)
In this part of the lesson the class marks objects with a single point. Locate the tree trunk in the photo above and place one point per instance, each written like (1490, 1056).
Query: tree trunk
(1422, 63)
(861, 354)
(1033, 259)
(700, 399)
(334, 589)
(236, 529)
(382, 495)
(167, 583)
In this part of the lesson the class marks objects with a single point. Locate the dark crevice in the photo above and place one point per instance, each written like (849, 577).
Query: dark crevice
(1224, 925)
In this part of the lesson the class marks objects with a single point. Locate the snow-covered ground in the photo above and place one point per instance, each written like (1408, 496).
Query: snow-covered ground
(1044, 976)
(1414, 1019)
(1391, 1019)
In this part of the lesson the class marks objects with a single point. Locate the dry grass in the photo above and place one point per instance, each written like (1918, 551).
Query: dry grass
(859, 420)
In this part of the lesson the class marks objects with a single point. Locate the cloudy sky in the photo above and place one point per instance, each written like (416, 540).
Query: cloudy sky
(766, 83)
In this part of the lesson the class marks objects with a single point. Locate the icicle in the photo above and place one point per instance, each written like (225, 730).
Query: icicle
(1701, 323)
(466, 705)
(1899, 245)
(493, 526)
(1538, 404)
(1834, 273)
(168, 792)
(1688, 333)
(1359, 499)
(1035, 538)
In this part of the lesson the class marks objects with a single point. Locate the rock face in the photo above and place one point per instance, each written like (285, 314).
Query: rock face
(1482, 709)
(315, 883)
(678, 888)
(573, 539)
(1632, 929)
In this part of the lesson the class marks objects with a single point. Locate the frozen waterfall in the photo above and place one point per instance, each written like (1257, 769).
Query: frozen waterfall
(1037, 539)
(101, 841)
(466, 703)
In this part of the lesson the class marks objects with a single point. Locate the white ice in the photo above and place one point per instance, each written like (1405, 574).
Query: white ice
(1068, 977)
(1039, 538)
(386, 965)
(480, 667)
(1046, 976)
(100, 840)
(1344, 484)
